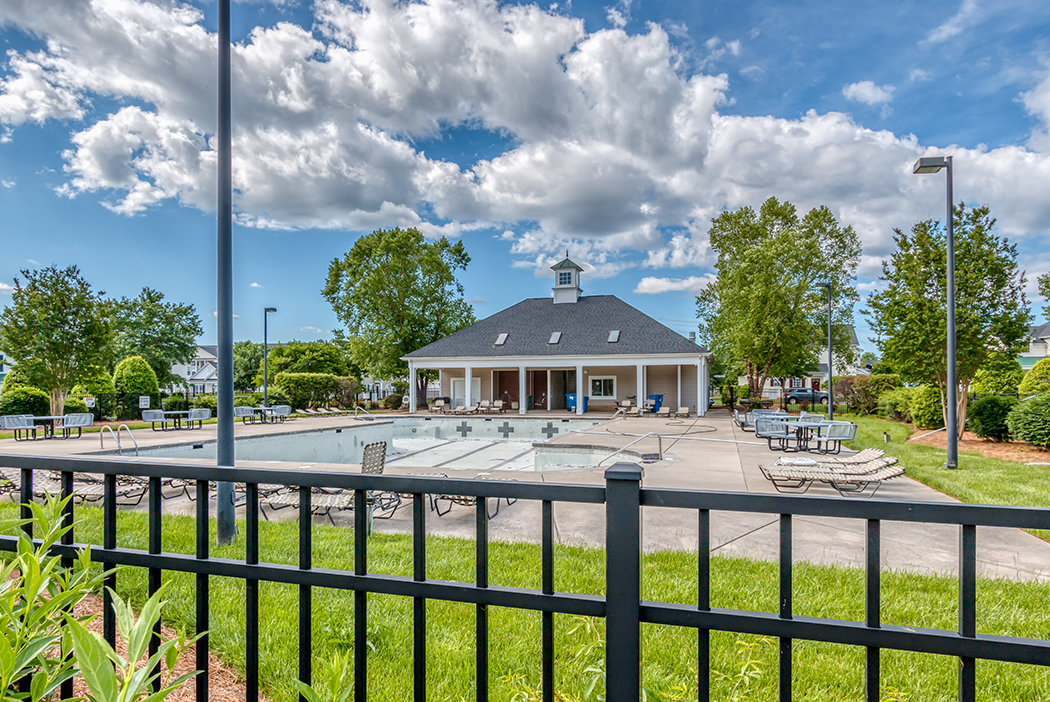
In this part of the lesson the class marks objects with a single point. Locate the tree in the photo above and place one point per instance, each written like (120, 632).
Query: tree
(991, 312)
(395, 293)
(1001, 373)
(247, 362)
(304, 357)
(1037, 380)
(134, 376)
(763, 312)
(1044, 291)
(57, 320)
(163, 333)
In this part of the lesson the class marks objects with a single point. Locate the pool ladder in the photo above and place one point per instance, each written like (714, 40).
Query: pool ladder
(116, 438)
(358, 409)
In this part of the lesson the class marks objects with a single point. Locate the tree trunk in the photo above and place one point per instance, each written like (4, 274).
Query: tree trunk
(963, 405)
(57, 397)
(421, 391)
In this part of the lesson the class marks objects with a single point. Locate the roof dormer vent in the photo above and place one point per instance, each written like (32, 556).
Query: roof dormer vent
(501, 339)
(555, 338)
(614, 336)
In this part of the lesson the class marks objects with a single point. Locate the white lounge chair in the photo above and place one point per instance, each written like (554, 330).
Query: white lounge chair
(682, 412)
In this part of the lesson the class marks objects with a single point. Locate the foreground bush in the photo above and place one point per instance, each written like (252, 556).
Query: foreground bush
(896, 404)
(24, 399)
(393, 402)
(987, 417)
(926, 410)
(1030, 421)
(1001, 373)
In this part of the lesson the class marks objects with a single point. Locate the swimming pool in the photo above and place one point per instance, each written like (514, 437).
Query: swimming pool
(446, 443)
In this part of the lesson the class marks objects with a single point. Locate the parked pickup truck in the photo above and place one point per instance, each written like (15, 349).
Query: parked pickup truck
(808, 396)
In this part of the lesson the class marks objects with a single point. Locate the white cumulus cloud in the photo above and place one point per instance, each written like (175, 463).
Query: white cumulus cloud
(867, 92)
(694, 284)
(6, 289)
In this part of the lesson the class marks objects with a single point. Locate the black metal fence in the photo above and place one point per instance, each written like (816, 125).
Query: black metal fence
(622, 606)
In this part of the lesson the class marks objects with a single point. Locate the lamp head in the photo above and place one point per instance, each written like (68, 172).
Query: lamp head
(822, 284)
(930, 164)
(270, 309)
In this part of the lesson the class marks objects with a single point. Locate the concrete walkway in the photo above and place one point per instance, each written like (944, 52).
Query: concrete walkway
(709, 453)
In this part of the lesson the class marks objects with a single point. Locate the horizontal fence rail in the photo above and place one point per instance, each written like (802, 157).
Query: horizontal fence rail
(623, 609)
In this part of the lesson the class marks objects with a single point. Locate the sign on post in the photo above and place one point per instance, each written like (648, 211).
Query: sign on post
(90, 402)
(143, 401)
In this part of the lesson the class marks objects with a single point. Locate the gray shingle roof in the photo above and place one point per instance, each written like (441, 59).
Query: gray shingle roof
(585, 327)
(1040, 331)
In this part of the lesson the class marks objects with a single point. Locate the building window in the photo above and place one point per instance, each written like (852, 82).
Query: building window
(501, 339)
(564, 278)
(555, 338)
(603, 388)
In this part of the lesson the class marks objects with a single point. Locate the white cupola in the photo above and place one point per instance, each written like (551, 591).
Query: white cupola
(566, 281)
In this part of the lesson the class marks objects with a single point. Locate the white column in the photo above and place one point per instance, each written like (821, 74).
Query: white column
(701, 389)
(467, 377)
(548, 389)
(521, 389)
(411, 388)
(639, 385)
(579, 389)
(678, 397)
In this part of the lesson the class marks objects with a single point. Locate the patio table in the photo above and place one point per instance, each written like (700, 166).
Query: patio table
(48, 422)
(804, 433)
(264, 412)
(177, 416)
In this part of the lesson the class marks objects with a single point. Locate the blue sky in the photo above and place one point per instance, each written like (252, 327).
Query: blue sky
(617, 131)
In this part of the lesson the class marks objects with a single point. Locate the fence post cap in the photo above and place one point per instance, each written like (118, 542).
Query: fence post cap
(624, 471)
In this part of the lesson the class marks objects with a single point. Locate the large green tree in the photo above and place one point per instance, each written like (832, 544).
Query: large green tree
(163, 333)
(910, 315)
(59, 324)
(247, 362)
(1044, 290)
(763, 313)
(305, 357)
(396, 292)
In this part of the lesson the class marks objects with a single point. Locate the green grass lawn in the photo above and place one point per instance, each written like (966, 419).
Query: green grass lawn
(822, 672)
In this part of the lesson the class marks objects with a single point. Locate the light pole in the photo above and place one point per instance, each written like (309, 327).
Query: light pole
(831, 373)
(266, 352)
(934, 164)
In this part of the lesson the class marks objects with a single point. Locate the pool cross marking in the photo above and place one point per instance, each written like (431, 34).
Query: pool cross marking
(506, 430)
(550, 430)
(463, 428)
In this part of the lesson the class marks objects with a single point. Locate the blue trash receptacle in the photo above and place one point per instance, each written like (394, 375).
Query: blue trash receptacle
(570, 401)
(584, 404)
(659, 400)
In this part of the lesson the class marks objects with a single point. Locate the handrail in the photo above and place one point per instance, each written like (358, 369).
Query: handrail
(102, 436)
(130, 435)
(359, 408)
(659, 447)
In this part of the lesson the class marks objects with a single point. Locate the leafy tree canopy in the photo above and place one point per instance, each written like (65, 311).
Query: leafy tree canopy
(396, 292)
(22, 375)
(763, 313)
(247, 364)
(1001, 373)
(1044, 291)
(163, 333)
(305, 357)
(134, 376)
(56, 319)
(1037, 380)
(991, 311)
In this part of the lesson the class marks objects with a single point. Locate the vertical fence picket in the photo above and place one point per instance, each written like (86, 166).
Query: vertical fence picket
(202, 593)
(360, 597)
(547, 570)
(153, 574)
(703, 603)
(251, 594)
(482, 580)
(109, 541)
(623, 582)
(872, 608)
(419, 604)
(785, 606)
(967, 608)
(66, 689)
(26, 512)
(305, 592)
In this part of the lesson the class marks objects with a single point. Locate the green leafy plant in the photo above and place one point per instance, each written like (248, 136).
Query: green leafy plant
(1037, 380)
(987, 417)
(393, 402)
(1001, 373)
(307, 389)
(75, 405)
(112, 678)
(338, 682)
(1030, 421)
(745, 678)
(926, 409)
(134, 376)
(896, 404)
(24, 399)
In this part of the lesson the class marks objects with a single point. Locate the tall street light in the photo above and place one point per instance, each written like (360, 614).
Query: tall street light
(934, 164)
(266, 352)
(831, 377)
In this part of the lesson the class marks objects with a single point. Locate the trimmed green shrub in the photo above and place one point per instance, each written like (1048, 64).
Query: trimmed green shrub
(1029, 421)
(307, 389)
(177, 403)
(987, 417)
(1037, 380)
(96, 385)
(392, 402)
(19, 377)
(206, 402)
(1001, 373)
(896, 404)
(74, 405)
(926, 410)
(25, 400)
(134, 376)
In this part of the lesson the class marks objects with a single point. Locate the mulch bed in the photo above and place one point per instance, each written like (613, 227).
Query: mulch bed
(968, 441)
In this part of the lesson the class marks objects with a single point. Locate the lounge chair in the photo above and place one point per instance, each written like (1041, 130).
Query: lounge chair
(436, 407)
(459, 410)
(373, 460)
(484, 407)
(84, 490)
(78, 421)
(682, 412)
(20, 425)
(847, 482)
(664, 412)
(198, 415)
(498, 407)
(465, 501)
(157, 416)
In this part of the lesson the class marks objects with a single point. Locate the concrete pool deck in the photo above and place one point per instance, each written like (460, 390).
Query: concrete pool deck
(708, 453)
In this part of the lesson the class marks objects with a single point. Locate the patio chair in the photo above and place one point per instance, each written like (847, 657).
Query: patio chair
(373, 460)
(155, 416)
(78, 421)
(485, 406)
(664, 412)
(19, 425)
(498, 407)
(775, 429)
(682, 412)
(245, 414)
(831, 435)
(281, 412)
(436, 407)
(198, 415)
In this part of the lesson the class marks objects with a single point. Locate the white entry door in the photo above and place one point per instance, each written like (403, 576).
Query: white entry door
(459, 391)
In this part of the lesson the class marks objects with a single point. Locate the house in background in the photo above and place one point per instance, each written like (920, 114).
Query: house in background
(201, 374)
(5, 367)
(535, 353)
(1038, 346)
(818, 379)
